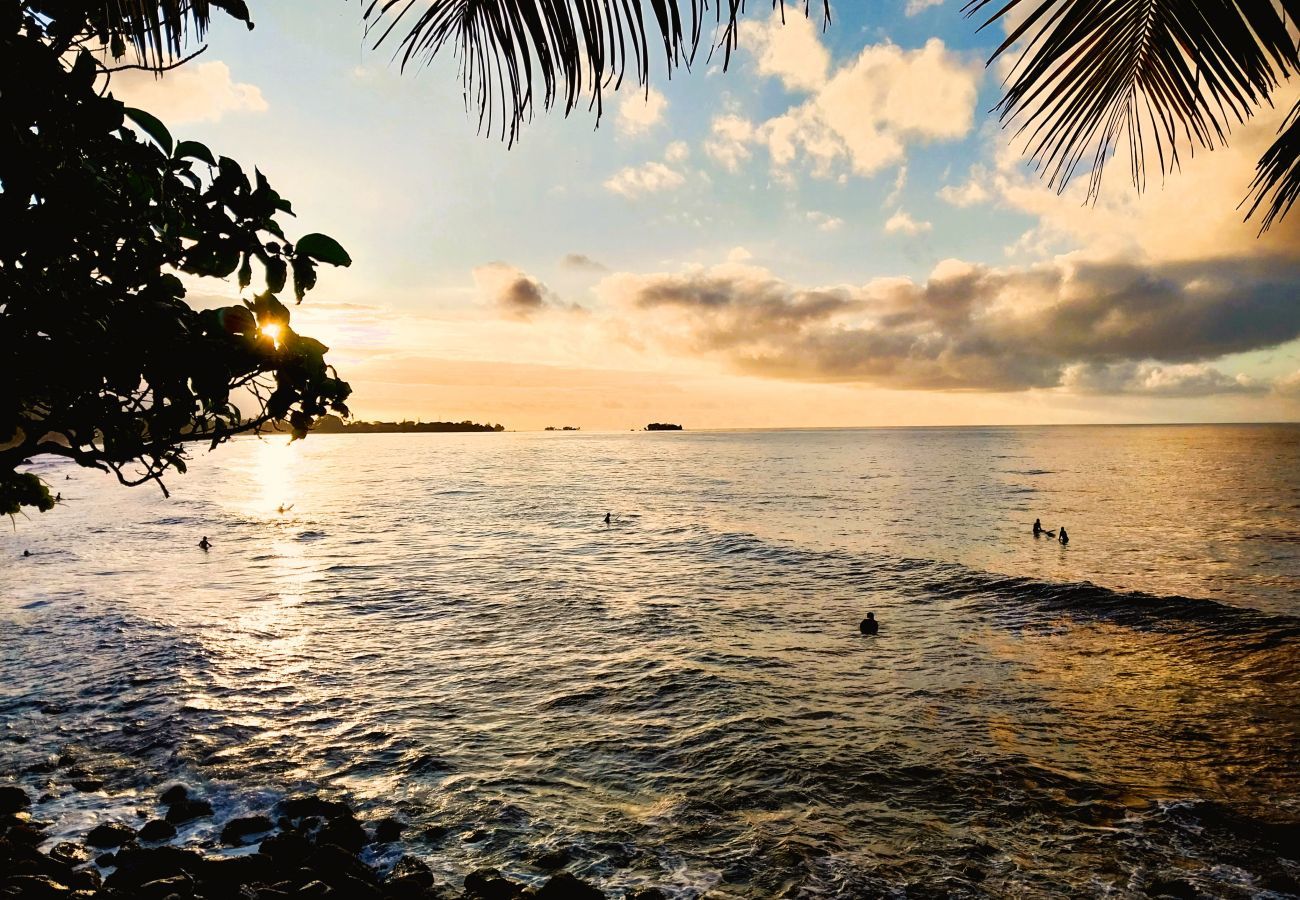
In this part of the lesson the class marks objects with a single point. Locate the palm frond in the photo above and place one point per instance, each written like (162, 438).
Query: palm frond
(576, 49)
(1163, 75)
(158, 31)
(1278, 173)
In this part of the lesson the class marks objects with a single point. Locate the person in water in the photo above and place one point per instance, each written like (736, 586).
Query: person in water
(1064, 538)
(205, 543)
(869, 625)
(607, 515)
(1038, 528)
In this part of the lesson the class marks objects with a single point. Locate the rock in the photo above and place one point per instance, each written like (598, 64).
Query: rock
(69, 854)
(36, 887)
(475, 836)
(301, 807)
(314, 889)
(434, 834)
(13, 800)
(104, 860)
(238, 829)
(553, 859)
(343, 832)
(388, 830)
(413, 869)
(88, 785)
(487, 884)
(144, 864)
(565, 886)
(174, 794)
(157, 830)
(331, 863)
(287, 849)
(111, 834)
(25, 833)
(1172, 887)
(229, 873)
(646, 894)
(187, 810)
(175, 885)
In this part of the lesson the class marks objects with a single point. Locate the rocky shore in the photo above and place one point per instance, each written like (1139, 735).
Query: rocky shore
(303, 847)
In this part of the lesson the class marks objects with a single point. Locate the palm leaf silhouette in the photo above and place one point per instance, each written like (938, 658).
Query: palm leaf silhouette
(1168, 76)
(513, 53)
(157, 30)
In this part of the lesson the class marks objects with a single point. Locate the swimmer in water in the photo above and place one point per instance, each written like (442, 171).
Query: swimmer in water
(607, 515)
(1038, 528)
(869, 625)
(1064, 538)
(27, 553)
(205, 543)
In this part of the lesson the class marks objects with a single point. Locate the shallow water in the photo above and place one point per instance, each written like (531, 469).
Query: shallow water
(442, 626)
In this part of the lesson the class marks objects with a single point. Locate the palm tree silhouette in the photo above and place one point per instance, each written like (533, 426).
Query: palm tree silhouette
(1090, 76)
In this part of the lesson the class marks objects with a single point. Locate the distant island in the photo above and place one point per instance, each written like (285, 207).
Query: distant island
(563, 428)
(335, 425)
(662, 426)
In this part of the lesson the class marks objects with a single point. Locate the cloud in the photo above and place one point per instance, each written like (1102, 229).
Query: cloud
(896, 192)
(789, 51)
(729, 141)
(512, 292)
(862, 117)
(825, 221)
(638, 113)
(676, 152)
(902, 223)
(1155, 380)
(1288, 385)
(974, 191)
(649, 178)
(198, 92)
(582, 262)
(916, 7)
(1087, 327)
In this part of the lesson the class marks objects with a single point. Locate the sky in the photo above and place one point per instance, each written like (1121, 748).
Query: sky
(834, 231)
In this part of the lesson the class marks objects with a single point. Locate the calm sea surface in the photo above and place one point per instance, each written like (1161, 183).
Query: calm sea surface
(442, 627)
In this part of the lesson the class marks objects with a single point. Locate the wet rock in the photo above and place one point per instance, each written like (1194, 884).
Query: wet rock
(174, 794)
(301, 807)
(434, 834)
(1172, 887)
(343, 832)
(13, 800)
(25, 833)
(188, 810)
(646, 894)
(111, 834)
(487, 884)
(333, 864)
(88, 785)
(104, 860)
(173, 886)
(141, 865)
(157, 830)
(412, 870)
(313, 889)
(69, 854)
(566, 886)
(388, 830)
(36, 887)
(287, 849)
(238, 829)
(476, 836)
(553, 859)
(227, 874)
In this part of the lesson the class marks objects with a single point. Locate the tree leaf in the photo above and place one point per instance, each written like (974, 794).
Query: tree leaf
(152, 127)
(323, 248)
(194, 150)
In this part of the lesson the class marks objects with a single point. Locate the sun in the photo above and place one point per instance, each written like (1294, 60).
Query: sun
(273, 330)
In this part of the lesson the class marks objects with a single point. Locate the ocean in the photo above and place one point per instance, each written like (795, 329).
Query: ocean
(442, 627)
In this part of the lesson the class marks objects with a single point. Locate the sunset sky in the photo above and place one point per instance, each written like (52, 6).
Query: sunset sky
(833, 232)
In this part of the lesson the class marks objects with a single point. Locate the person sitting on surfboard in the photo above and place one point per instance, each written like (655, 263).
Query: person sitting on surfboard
(869, 625)
(1039, 529)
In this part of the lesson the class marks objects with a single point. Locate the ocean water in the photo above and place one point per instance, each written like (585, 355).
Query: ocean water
(443, 627)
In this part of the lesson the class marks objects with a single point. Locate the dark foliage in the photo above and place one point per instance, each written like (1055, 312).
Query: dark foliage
(101, 359)
(1167, 76)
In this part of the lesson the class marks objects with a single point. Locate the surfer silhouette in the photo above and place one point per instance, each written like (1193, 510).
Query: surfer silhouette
(205, 544)
(869, 625)
(1039, 529)
(607, 515)
(1064, 538)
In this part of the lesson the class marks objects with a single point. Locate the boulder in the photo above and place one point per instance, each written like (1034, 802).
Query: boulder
(111, 834)
(173, 886)
(311, 805)
(487, 884)
(13, 800)
(187, 810)
(157, 830)
(287, 849)
(88, 785)
(69, 854)
(566, 886)
(174, 794)
(227, 874)
(388, 830)
(140, 865)
(36, 887)
(555, 859)
(238, 829)
(343, 832)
